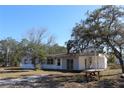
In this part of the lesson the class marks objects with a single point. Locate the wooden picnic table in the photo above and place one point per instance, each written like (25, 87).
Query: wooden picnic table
(92, 73)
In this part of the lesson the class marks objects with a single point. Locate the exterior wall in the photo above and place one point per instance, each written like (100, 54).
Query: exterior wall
(47, 66)
(82, 62)
(98, 62)
(63, 65)
(75, 63)
(28, 63)
(52, 66)
(27, 66)
(102, 62)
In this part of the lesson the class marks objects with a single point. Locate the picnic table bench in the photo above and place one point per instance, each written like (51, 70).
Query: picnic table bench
(92, 73)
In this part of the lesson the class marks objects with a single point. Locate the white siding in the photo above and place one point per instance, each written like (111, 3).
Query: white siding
(98, 62)
(102, 62)
(63, 64)
(82, 63)
(52, 66)
(47, 66)
(76, 64)
(27, 66)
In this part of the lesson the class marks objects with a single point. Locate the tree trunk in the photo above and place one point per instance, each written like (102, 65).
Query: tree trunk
(122, 65)
(117, 54)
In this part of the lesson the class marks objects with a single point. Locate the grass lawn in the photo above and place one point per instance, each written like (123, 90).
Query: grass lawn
(109, 78)
(14, 72)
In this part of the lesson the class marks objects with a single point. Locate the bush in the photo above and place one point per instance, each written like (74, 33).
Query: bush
(111, 59)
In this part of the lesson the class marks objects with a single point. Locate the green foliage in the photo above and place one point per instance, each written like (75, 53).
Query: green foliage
(55, 49)
(12, 52)
(103, 27)
(111, 58)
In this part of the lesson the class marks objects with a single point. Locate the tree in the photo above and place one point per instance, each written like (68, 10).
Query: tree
(20, 52)
(111, 58)
(55, 49)
(8, 48)
(103, 27)
(35, 46)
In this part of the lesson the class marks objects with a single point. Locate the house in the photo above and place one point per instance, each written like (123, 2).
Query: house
(75, 62)
(26, 62)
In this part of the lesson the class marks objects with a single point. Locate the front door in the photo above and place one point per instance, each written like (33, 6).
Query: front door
(69, 64)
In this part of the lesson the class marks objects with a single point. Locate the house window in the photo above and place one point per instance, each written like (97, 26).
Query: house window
(25, 61)
(58, 62)
(50, 61)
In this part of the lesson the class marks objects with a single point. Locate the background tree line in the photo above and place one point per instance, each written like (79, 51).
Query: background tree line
(37, 44)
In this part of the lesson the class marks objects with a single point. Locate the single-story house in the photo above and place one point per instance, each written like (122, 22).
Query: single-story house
(26, 62)
(75, 62)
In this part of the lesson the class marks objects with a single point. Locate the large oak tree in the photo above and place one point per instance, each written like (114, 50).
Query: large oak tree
(103, 27)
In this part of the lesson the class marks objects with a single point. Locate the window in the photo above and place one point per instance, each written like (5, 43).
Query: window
(50, 61)
(25, 61)
(58, 62)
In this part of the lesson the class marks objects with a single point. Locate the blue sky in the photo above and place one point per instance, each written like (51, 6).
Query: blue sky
(16, 21)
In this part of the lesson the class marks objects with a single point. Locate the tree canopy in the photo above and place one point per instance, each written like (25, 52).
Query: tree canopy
(103, 29)
(12, 51)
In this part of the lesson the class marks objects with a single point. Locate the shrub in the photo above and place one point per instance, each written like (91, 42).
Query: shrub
(111, 59)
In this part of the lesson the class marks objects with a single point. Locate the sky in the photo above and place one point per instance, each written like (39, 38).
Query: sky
(16, 21)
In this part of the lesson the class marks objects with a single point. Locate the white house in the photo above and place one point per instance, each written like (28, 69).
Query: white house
(26, 62)
(71, 62)
(76, 62)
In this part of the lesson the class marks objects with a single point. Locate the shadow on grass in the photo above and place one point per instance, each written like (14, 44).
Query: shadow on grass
(12, 71)
(62, 71)
(16, 68)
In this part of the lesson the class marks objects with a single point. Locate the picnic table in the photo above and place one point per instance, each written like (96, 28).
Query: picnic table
(92, 73)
